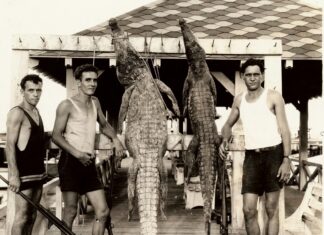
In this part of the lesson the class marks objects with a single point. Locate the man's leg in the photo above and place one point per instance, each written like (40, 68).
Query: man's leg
(70, 207)
(250, 201)
(25, 214)
(98, 201)
(271, 206)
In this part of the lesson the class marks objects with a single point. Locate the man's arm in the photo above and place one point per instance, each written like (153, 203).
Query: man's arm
(227, 128)
(107, 130)
(14, 121)
(279, 108)
(62, 115)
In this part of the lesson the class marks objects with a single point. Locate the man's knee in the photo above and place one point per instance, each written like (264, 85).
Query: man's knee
(271, 211)
(70, 211)
(102, 214)
(249, 213)
(25, 218)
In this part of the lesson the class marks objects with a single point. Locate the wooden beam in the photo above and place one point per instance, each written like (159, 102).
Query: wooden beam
(153, 45)
(225, 81)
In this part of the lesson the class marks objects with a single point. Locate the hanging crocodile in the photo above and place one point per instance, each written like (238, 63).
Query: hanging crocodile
(146, 132)
(199, 100)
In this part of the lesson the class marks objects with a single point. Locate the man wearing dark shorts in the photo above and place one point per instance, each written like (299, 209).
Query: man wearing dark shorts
(74, 132)
(25, 152)
(267, 144)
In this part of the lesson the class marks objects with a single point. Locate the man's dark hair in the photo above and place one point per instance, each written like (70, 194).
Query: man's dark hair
(30, 77)
(84, 68)
(252, 62)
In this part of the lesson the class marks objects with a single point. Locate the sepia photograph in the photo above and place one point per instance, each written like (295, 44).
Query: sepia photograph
(164, 117)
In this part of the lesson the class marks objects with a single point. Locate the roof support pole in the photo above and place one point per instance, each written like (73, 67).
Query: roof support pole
(273, 80)
(273, 73)
(303, 140)
(71, 87)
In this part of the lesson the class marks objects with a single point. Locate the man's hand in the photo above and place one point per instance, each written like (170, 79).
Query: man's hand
(284, 171)
(223, 150)
(85, 158)
(14, 183)
(119, 150)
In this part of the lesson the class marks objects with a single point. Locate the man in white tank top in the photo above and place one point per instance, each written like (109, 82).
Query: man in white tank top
(74, 132)
(267, 144)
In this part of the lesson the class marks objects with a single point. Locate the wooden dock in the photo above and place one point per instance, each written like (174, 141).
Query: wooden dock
(180, 220)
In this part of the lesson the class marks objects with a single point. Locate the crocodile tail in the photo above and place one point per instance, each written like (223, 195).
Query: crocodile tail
(129, 65)
(207, 172)
(148, 190)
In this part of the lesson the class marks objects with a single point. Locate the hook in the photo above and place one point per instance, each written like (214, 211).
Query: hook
(275, 45)
(43, 39)
(248, 45)
(145, 41)
(229, 44)
(78, 40)
(20, 41)
(60, 40)
(162, 40)
(213, 43)
(179, 45)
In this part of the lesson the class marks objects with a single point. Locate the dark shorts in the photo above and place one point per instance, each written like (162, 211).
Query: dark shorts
(32, 184)
(260, 169)
(76, 177)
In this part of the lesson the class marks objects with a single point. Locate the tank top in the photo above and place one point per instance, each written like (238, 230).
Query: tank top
(30, 161)
(260, 125)
(80, 128)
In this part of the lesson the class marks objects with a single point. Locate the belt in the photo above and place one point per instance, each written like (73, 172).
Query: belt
(259, 150)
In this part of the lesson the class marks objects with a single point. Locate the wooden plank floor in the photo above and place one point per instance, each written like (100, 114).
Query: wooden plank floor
(180, 220)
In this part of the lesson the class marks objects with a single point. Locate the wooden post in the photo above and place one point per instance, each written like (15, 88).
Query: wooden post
(273, 73)
(21, 63)
(303, 140)
(273, 80)
(237, 155)
(71, 87)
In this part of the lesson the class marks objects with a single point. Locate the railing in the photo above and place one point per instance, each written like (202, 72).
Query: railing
(312, 170)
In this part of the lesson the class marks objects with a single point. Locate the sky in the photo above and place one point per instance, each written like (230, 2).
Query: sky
(65, 17)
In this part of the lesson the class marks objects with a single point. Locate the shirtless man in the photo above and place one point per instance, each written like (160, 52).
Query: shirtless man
(74, 132)
(25, 151)
(267, 144)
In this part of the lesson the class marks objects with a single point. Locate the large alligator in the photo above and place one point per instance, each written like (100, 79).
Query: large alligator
(199, 100)
(146, 132)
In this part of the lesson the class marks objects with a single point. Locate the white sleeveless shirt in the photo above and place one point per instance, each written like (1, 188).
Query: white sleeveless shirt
(80, 130)
(259, 123)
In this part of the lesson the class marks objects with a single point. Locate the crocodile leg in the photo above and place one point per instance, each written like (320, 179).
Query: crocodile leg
(190, 156)
(123, 108)
(166, 90)
(163, 188)
(132, 175)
